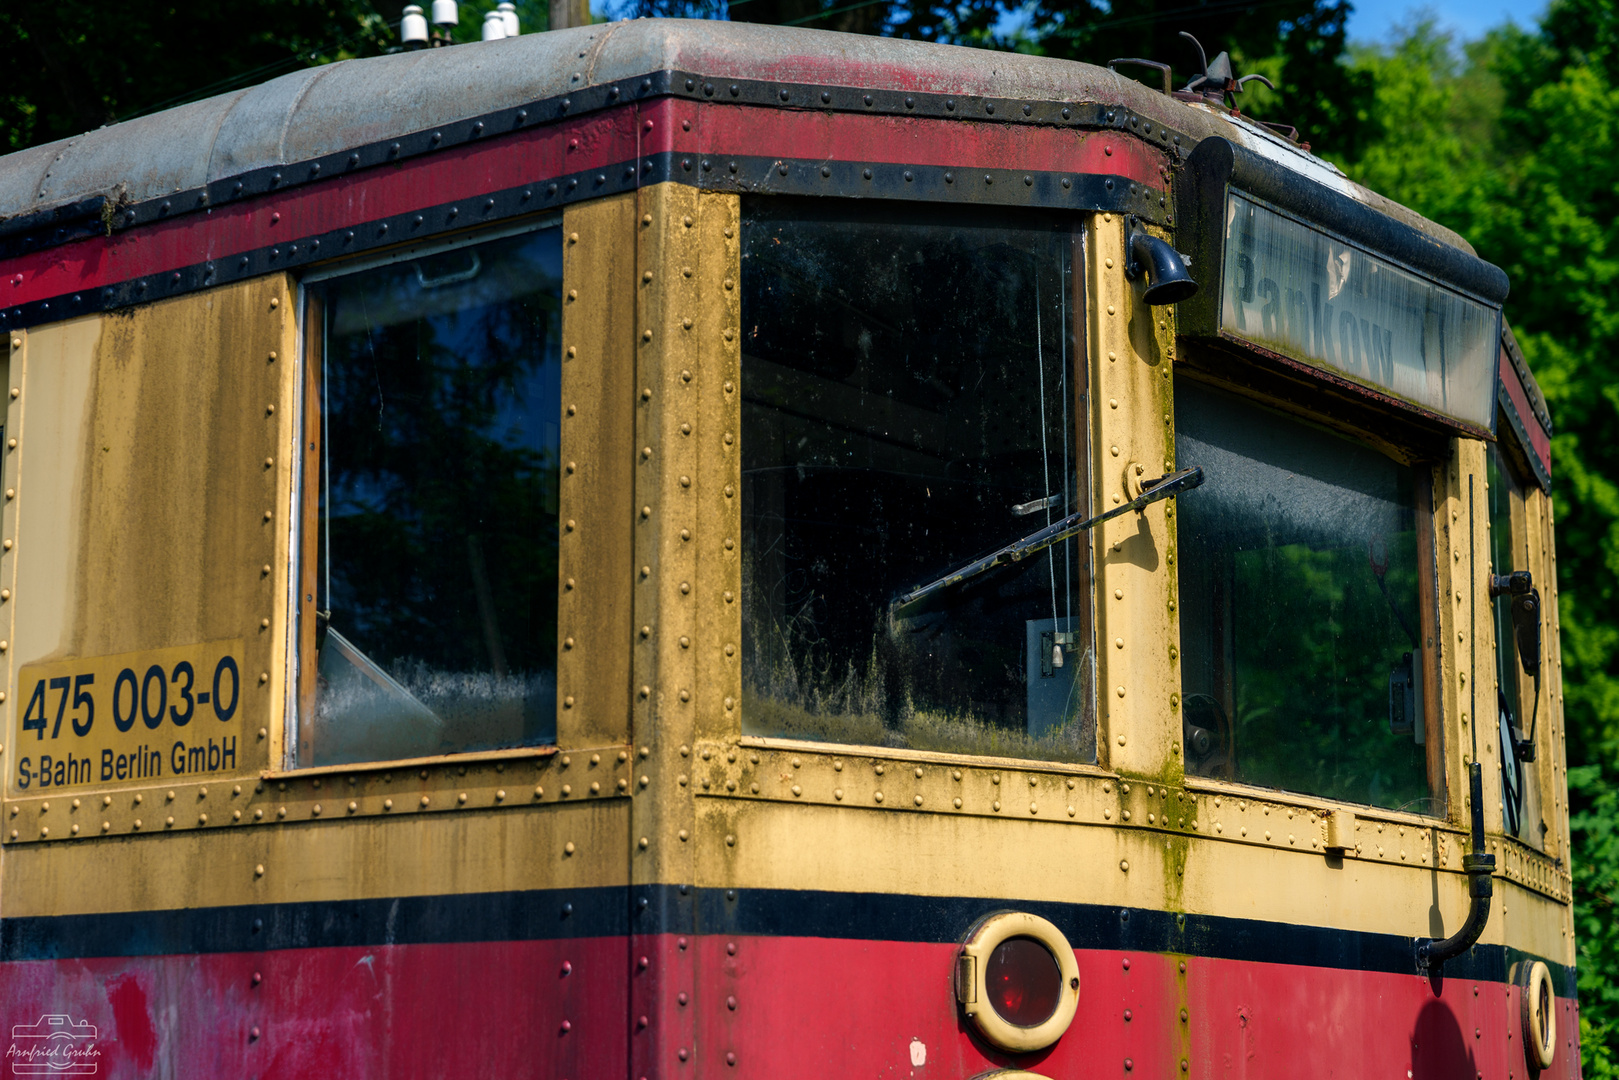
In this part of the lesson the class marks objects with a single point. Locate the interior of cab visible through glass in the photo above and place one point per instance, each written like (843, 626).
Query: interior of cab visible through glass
(1302, 588)
(437, 398)
(913, 398)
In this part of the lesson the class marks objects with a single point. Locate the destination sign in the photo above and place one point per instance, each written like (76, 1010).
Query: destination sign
(1299, 292)
(137, 717)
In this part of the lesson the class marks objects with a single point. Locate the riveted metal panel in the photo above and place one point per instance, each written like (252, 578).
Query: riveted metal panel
(154, 494)
(12, 363)
(594, 616)
(719, 463)
(669, 291)
(1137, 629)
(312, 856)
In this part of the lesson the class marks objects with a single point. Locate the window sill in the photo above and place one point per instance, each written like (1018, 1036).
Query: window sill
(519, 753)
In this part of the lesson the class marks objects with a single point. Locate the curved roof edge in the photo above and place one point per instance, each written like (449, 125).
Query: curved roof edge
(327, 109)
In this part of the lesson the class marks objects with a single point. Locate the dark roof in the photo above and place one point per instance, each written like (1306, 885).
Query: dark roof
(324, 110)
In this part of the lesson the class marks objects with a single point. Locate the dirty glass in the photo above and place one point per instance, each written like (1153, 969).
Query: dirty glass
(908, 405)
(1300, 607)
(1299, 291)
(439, 402)
(1509, 551)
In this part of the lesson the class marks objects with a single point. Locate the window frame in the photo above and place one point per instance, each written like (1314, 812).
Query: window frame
(1077, 227)
(303, 576)
(1527, 509)
(1407, 448)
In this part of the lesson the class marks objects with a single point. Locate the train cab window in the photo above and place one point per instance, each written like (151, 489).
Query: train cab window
(1301, 595)
(434, 402)
(1515, 691)
(910, 404)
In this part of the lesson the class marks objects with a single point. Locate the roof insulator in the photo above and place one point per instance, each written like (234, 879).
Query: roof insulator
(413, 27)
(446, 15)
(508, 11)
(494, 26)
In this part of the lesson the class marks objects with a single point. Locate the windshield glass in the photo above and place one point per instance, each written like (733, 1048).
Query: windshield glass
(1300, 607)
(909, 404)
(439, 397)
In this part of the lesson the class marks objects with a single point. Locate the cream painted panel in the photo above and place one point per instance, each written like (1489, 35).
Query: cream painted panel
(51, 422)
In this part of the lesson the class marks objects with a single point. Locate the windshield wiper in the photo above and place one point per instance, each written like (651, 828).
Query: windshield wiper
(1153, 491)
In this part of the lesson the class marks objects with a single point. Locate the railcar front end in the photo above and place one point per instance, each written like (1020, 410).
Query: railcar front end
(578, 556)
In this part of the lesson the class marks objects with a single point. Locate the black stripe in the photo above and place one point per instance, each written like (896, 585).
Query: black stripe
(404, 920)
(671, 909)
(925, 183)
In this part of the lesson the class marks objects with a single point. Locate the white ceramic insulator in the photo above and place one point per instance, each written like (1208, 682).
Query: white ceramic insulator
(508, 11)
(494, 26)
(413, 27)
(445, 13)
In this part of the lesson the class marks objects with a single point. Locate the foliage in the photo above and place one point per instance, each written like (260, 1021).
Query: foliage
(104, 61)
(1510, 141)
(1299, 44)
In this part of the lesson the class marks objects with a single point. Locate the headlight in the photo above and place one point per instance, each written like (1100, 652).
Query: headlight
(1017, 981)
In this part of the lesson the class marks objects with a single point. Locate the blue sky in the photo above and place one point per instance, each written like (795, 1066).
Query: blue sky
(1374, 20)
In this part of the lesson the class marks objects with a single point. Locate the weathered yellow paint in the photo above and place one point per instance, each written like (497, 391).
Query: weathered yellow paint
(598, 396)
(11, 369)
(1136, 623)
(417, 855)
(195, 691)
(153, 487)
(48, 417)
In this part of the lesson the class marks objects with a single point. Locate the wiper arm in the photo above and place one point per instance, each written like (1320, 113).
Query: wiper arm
(1056, 533)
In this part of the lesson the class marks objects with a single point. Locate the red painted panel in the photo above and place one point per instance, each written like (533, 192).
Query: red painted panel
(776, 1008)
(816, 1008)
(590, 142)
(1540, 441)
(463, 173)
(414, 1012)
(817, 136)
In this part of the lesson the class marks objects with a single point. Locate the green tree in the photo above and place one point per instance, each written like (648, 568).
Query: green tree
(71, 70)
(1510, 141)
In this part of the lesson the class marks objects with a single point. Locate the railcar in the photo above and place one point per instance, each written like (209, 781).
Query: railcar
(681, 549)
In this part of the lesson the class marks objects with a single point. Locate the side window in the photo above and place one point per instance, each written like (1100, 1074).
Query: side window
(910, 404)
(1301, 594)
(1515, 690)
(433, 406)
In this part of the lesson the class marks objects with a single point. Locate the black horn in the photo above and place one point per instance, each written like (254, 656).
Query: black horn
(1168, 280)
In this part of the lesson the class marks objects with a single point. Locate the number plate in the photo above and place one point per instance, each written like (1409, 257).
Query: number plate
(143, 717)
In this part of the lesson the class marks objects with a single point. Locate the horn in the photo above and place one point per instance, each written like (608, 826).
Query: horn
(1168, 281)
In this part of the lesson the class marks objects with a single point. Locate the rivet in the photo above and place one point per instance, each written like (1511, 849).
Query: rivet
(258, 871)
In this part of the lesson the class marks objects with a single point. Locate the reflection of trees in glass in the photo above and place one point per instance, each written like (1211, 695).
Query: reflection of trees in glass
(1315, 640)
(1300, 602)
(905, 386)
(442, 402)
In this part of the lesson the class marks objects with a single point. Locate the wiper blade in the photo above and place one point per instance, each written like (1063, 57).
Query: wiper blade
(1154, 491)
